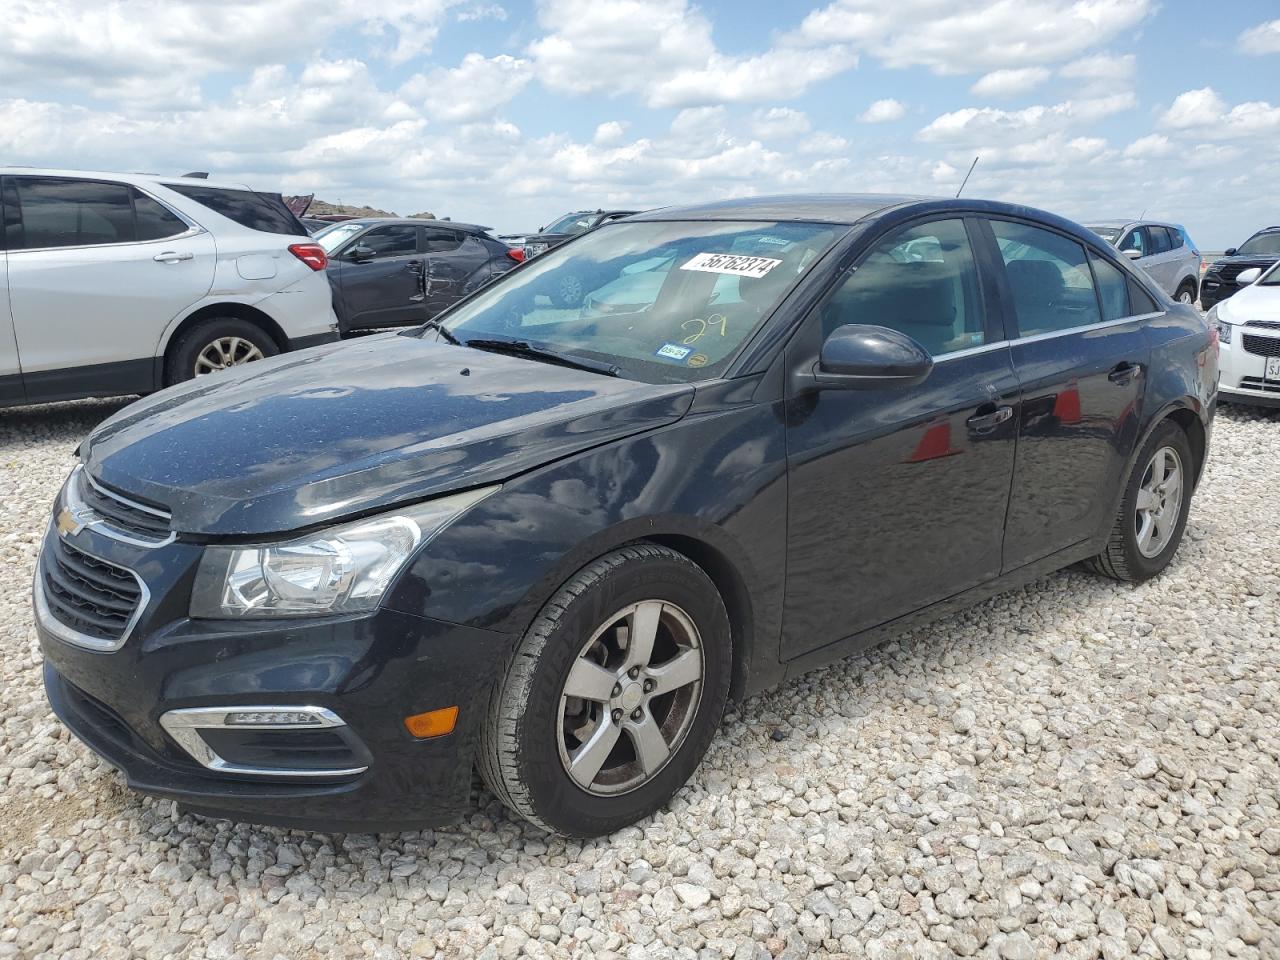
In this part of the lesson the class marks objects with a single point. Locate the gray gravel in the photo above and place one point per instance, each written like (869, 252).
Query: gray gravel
(1077, 769)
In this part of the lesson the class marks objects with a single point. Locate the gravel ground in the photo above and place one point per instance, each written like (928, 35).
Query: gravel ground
(1077, 769)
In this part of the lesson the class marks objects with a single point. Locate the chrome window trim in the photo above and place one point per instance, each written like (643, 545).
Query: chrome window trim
(46, 619)
(998, 344)
(184, 725)
(193, 229)
(88, 517)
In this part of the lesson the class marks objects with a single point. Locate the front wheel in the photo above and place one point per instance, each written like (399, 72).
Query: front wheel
(612, 696)
(1153, 514)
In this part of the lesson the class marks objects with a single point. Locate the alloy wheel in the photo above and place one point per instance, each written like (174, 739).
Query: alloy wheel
(630, 697)
(226, 352)
(1185, 297)
(1159, 502)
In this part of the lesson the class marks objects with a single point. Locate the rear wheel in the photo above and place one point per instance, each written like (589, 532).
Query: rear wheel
(1187, 292)
(217, 344)
(613, 695)
(1153, 514)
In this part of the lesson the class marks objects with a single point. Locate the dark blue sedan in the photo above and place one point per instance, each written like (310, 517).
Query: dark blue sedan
(552, 542)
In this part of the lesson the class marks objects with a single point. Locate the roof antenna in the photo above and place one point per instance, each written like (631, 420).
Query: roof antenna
(967, 176)
(1143, 214)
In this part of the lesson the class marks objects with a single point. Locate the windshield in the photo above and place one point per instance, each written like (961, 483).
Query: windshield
(1271, 278)
(1109, 234)
(1261, 243)
(668, 302)
(332, 237)
(573, 223)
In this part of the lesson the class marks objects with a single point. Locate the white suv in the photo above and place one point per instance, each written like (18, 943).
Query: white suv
(124, 283)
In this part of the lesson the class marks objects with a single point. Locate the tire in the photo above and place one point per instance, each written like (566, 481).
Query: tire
(1125, 557)
(569, 292)
(1186, 292)
(526, 747)
(247, 341)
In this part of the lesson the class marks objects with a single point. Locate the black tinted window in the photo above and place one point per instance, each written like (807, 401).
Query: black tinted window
(1140, 301)
(396, 240)
(154, 220)
(1049, 277)
(1136, 239)
(441, 241)
(1160, 242)
(920, 281)
(1112, 288)
(257, 211)
(70, 213)
(1176, 237)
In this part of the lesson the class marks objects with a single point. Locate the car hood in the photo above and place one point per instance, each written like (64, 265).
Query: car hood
(311, 437)
(1252, 303)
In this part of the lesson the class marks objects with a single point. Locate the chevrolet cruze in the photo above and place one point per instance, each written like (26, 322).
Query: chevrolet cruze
(551, 542)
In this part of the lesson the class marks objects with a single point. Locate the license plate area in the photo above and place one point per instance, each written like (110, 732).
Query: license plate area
(1272, 372)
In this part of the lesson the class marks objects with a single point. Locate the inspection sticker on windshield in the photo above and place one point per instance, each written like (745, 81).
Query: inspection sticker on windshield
(731, 263)
(673, 351)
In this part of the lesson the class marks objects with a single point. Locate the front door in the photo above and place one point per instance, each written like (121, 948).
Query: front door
(96, 271)
(1082, 358)
(897, 497)
(382, 278)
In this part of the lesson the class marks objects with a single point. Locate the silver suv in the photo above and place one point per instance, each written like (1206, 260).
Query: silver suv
(1162, 249)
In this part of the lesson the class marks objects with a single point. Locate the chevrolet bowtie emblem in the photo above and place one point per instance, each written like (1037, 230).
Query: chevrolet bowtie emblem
(68, 523)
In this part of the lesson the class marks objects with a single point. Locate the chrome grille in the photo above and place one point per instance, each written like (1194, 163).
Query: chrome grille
(97, 600)
(121, 512)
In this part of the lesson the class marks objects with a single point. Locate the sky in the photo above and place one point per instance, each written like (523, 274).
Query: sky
(510, 113)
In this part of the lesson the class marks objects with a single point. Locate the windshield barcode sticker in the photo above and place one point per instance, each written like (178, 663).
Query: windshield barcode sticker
(731, 263)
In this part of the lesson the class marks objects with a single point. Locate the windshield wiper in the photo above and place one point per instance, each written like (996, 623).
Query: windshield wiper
(522, 348)
(443, 331)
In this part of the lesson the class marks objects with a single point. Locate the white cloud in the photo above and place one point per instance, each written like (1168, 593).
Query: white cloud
(1262, 39)
(1009, 82)
(476, 87)
(663, 50)
(1152, 145)
(952, 38)
(975, 125)
(481, 11)
(1208, 115)
(609, 132)
(779, 123)
(882, 111)
(822, 142)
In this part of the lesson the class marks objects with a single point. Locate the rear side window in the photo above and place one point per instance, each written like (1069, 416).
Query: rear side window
(1140, 301)
(1049, 278)
(257, 211)
(1159, 240)
(154, 220)
(919, 280)
(441, 241)
(1176, 237)
(70, 213)
(1113, 290)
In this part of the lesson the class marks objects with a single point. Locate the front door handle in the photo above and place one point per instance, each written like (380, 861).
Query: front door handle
(988, 418)
(1125, 372)
(171, 256)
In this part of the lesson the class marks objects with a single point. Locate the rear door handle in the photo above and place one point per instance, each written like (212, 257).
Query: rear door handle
(1125, 372)
(990, 419)
(171, 256)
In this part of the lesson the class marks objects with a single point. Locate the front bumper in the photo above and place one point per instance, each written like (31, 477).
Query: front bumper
(371, 671)
(1243, 372)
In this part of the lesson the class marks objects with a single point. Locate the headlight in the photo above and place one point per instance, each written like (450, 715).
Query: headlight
(1216, 322)
(344, 569)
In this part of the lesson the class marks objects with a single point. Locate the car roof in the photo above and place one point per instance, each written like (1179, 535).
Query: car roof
(447, 224)
(819, 208)
(131, 177)
(1121, 223)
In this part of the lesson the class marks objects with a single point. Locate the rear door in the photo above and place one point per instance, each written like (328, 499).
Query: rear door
(456, 263)
(10, 368)
(1163, 263)
(384, 287)
(897, 497)
(97, 270)
(1082, 360)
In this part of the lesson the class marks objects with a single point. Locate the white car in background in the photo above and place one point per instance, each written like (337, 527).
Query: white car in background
(1249, 336)
(125, 283)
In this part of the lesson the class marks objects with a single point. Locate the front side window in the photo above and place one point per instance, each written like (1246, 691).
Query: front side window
(664, 301)
(1049, 278)
(397, 240)
(919, 280)
(249, 208)
(1261, 243)
(71, 213)
(1135, 239)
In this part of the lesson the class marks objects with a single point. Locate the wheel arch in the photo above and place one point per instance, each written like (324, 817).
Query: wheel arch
(225, 308)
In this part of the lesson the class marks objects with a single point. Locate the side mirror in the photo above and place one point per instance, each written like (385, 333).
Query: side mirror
(360, 253)
(1229, 252)
(864, 357)
(1133, 254)
(1246, 277)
